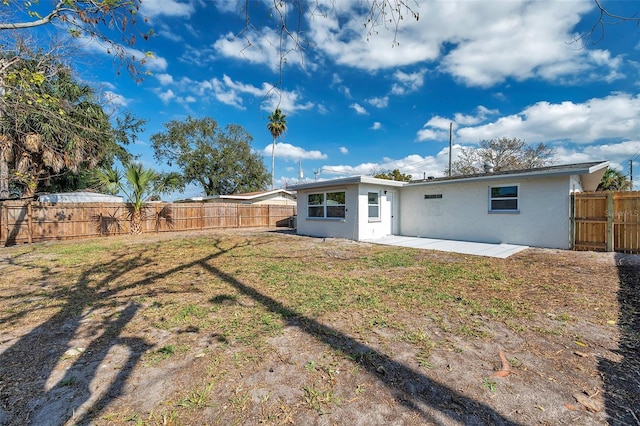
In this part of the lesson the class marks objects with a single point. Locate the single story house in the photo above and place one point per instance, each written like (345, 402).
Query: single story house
(526, 207)
(79, 197)
(280, 197)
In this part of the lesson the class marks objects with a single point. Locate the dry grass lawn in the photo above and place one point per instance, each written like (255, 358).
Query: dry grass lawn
(265, 327)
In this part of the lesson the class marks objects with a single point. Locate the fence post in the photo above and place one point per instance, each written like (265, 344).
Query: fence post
(610, 216)
(4, 219)
(29, 222)
(572, 222)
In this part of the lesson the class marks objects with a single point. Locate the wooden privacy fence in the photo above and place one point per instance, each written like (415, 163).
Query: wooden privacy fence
(606, 221)
(27, 222)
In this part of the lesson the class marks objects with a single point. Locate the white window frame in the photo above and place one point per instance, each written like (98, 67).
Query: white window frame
(326, 205)
(492, 198)
(375, 218)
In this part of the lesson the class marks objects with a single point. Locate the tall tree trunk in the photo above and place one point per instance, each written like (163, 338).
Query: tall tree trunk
(273, 162)
(136, 222)
(4, 141)
(4, 171)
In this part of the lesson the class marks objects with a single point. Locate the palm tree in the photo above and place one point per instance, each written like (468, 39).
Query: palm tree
(613, 180)
(138, 184)
(277, 126)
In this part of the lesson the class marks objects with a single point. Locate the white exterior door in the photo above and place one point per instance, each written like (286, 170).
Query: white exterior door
(391, 208)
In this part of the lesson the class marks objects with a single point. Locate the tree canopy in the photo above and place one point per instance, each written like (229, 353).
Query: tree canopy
(52, 127)
(219, 160)
(613, 180)
(277, 126)
(112, 23)
(501, 154)
(394, 174)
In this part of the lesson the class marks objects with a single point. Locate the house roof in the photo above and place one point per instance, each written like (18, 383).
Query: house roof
(547, 171)
(79, 197)
(582, 169)
(352, 180)
(241, 197)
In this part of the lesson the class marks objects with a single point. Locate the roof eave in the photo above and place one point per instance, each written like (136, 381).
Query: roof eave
(352, 180)
(568, 171)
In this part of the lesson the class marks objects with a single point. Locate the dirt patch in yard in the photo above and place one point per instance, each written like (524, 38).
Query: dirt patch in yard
(264, 327)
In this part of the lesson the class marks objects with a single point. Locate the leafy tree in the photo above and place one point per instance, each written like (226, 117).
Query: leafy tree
(138, 184)
(219, 160)
(613, 180)
(395, 174)
(53, 127)
(277, 126)
(501, 154)
(110, 22)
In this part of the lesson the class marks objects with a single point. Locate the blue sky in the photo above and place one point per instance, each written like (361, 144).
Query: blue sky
(358, 106)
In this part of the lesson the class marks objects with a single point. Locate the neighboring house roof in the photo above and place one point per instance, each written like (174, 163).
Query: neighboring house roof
(79, 197)
(247, 196)
(585, 170)
(352, 180)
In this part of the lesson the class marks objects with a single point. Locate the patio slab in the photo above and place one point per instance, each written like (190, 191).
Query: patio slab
(501, 251)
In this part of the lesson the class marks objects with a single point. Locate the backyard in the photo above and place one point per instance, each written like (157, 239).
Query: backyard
(267, 327)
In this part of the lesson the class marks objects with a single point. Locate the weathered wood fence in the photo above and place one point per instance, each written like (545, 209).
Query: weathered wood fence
(606, 221)
(27, 222)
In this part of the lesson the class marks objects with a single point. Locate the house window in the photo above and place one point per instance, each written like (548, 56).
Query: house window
(326, 205)
(503, 198)
(374, 205)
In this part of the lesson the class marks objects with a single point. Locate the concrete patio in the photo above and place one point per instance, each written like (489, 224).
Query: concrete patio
(501, 251)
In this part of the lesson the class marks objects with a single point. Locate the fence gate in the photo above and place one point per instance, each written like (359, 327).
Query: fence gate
(606, 221)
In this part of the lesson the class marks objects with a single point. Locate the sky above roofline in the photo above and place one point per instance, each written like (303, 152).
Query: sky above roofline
(361, 102)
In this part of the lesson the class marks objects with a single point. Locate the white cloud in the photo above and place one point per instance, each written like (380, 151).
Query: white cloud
(164, 30)
(428, 134)
(381, 102)
(287, 101)
(231, 92)
(164, 79)
(613, 117)
(147, 61)
(114, 99)
(166, 96)
(344, 150)
(155, 8)
(376, 125)
(358, 108)
(262, 47)
(407, 83)
(617, 153)
(188, 100)
(479, 43)
(415, 165)
(291, 152)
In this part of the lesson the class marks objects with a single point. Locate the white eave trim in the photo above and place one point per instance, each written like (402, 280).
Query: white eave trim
(352, 180)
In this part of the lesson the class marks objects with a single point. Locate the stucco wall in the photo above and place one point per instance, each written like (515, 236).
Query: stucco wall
(336, 228)
(463, 212)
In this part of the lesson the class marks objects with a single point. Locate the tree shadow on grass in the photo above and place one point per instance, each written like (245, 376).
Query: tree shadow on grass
(31, 388)
(36, 387)
(432, 401)
(622, 377)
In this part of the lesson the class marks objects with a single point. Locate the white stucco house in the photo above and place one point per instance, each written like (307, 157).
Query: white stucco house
(526, 207)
